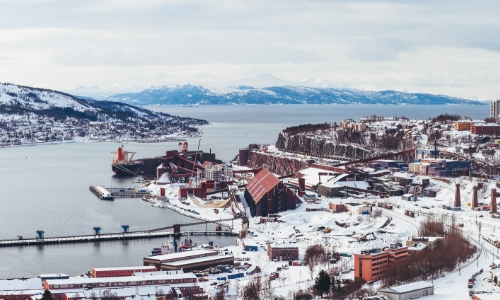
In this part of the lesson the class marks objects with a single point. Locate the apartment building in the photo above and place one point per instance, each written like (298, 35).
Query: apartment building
(372, 265)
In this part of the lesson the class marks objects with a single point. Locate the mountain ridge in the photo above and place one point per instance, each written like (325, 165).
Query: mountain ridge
(189, 94)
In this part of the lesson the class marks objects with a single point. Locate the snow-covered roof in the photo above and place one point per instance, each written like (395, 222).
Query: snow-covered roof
(488, 296)
(418, 246)
(125, 268)
(405, 288)
(80, 280)
(195, 260)
(180, 255)
(20, 284)
(283, 246)
(355, 184)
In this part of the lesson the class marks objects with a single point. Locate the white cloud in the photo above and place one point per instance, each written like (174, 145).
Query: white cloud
(448, 47)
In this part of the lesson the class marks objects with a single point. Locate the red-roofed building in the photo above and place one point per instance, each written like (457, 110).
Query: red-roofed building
(266, 194)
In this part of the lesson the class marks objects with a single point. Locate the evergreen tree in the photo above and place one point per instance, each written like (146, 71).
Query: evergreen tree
(322, 282)
(47, 295)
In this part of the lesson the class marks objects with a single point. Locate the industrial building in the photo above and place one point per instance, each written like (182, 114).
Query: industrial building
(265, 194)
(121, 271)
(357, 208)
(158, 260)
(430, 242)
(79, 283)
(282, 252)
(199, 263)
(407, 291)
(372, 265)
(385, 164)
(440, 167)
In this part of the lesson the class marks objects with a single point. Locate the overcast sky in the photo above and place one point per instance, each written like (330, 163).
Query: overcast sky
(448, 47)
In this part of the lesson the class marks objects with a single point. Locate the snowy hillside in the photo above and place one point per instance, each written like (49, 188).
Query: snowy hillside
(195, 94)
(16, 99)
(33, 99)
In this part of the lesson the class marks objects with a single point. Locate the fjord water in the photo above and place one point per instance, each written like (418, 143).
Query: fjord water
(45, 187)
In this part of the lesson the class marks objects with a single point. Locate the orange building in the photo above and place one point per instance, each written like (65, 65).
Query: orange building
(463, 125)
(485, 129)
(372, 266)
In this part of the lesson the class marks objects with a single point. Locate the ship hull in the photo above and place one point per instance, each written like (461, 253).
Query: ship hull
(124, 170)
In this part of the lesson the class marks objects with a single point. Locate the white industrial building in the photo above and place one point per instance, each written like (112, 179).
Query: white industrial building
(407, 291)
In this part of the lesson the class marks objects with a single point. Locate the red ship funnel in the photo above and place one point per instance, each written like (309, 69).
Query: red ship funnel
(120, 153)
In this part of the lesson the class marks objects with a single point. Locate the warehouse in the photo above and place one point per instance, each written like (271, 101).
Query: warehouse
(357, 208)
(120, 271)
(159, 259)
(199, 263)
(407, 291)
(282, 252)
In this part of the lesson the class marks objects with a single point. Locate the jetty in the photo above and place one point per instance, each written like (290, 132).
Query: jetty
(125, 235)
(112, 193)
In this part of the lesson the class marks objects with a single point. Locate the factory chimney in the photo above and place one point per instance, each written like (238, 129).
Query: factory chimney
(493, 204)
(474, 197)
(457, 196)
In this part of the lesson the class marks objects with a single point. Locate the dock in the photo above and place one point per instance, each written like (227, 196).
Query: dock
(168, 231)
(107, 237)
(113, 193)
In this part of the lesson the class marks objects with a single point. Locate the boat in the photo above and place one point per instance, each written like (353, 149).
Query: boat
(188, 244)
(123, 164)
(167, 248)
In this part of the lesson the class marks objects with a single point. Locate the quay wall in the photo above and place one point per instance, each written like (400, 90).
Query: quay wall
(275, 164)
(321, 147)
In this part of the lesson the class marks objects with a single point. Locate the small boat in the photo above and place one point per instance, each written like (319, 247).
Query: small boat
(188, 244)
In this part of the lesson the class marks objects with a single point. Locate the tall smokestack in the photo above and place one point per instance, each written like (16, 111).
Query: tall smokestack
(457, 195)
(474, 197)
(493, 204)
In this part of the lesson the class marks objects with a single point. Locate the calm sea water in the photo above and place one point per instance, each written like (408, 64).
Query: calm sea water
(46, 187)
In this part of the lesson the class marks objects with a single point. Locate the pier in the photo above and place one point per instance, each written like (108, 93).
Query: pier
(112, 193)
(133, 235)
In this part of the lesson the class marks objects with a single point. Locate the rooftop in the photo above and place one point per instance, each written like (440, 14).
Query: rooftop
(82, 280)
(405, 288)
(125, 268)
(196, 260)
(182, 254)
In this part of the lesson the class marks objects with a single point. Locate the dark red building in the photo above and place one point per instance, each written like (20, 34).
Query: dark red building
(266, 194)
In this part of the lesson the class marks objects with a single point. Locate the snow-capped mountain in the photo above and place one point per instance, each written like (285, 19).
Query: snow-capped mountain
(196, 94)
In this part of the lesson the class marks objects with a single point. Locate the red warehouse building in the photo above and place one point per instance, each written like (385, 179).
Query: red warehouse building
(123, 271)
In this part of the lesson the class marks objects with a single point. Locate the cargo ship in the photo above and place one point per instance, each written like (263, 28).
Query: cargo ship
(123, 165)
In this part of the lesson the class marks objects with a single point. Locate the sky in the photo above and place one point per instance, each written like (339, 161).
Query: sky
(449, 47)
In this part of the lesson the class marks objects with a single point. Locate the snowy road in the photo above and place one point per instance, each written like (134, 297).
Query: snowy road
(407, 222)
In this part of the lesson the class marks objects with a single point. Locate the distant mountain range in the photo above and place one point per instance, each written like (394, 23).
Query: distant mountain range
(199, 95)
(17, 99)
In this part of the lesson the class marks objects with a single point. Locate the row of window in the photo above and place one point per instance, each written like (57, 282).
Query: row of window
(129, 283)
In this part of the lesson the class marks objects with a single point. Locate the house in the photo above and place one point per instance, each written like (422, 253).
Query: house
(407, 291)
